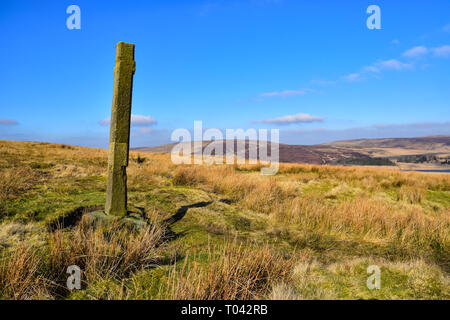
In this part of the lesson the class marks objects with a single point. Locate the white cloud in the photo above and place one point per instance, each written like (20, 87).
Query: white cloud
(145, 130)
(371, 69)
(8, 122)
(353, 77)
(415, 52)
(136, 121)
(393, 64)
(142, 121)
(297, 118)
(443, 51)
(285, 93)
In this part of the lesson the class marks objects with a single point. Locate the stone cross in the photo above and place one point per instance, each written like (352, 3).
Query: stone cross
(119, 139)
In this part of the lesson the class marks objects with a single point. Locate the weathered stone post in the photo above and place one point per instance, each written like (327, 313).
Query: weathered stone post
(119, 139)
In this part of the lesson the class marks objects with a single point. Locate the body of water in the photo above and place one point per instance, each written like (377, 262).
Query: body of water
(447, 171)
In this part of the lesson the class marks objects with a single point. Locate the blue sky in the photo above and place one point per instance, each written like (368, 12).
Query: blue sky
(310, 68)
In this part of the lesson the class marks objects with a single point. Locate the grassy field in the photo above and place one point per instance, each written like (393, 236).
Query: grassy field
(219, 232)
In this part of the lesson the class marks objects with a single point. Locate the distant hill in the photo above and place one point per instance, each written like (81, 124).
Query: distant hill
(394, 147)
(360, 151)
(319, 154)
(422, 143)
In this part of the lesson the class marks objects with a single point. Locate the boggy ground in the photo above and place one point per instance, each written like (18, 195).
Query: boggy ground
(220, 231)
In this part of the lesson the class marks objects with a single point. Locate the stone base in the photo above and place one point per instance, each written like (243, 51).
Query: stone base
(99, 217)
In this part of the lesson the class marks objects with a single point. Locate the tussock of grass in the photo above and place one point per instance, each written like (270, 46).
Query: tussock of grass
(232, 272)
(411, 194)
(115, 252)
(15, 181)
(20, 276)
(112, 252)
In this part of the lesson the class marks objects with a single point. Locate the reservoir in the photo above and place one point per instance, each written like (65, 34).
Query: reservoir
(447, 171)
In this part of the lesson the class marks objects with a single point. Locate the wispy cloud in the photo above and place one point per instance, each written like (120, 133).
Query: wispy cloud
(442, 52)
(291, 119)
(142, 121)
(8, 122)
(136, 121)
(415, 52)
(372, 69)
(393, 64)
(353, 77)
(395, 41)
(146, 130)
(285, 93)
(378, 67)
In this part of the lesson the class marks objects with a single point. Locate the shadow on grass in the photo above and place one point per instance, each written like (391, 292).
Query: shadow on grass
(71, 218)
(181, 212)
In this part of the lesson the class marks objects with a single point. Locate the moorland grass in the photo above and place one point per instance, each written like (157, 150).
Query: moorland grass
(221, 231)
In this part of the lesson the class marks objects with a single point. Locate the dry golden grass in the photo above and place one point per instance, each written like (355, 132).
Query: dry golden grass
(20, 276)
(364, 216)
(112, 252)
(412, 194)
(15, 181)
(231, 272)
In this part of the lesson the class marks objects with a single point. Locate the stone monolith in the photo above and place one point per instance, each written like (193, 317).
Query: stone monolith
(119, 139)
